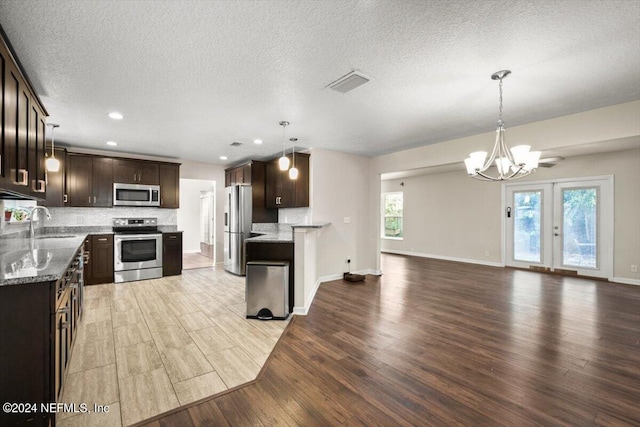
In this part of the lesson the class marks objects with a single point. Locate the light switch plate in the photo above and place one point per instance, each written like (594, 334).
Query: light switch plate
(347, 220)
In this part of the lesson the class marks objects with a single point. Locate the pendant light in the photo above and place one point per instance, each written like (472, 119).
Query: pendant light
(52, 164)
(283, 162)
(511, 164)
(293, 172)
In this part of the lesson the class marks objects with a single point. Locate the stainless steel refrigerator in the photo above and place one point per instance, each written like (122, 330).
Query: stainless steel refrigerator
(237, 227)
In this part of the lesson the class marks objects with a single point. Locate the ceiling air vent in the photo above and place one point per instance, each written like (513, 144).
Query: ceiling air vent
(349, 82)
(236, 144)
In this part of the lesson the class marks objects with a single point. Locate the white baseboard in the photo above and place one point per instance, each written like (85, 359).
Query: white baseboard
(195, 251)
(626, 281)
(445, 258)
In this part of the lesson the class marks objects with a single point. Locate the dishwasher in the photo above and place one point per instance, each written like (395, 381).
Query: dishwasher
(267, 290)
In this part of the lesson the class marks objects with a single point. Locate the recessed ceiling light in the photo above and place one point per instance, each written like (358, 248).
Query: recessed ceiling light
(223, 157)
(116, 115)
(257, 141)
(112, 143)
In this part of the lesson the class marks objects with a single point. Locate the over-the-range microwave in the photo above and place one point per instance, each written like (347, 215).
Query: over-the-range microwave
(136, 195)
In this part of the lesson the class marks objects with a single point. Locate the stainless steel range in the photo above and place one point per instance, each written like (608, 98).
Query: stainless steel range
(137, 247)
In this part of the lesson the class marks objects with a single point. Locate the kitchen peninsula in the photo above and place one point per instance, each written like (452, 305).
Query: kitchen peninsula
(296, 244)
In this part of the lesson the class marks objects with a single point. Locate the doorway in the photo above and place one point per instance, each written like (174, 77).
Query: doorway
(565, 225)
(207, 210)
(196, 218)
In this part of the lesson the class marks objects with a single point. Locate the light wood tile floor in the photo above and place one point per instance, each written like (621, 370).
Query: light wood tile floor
(195, 260)
(147, 347)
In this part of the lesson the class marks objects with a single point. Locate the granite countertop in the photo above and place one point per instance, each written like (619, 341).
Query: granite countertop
(43, 260)
(47, 258)
(279, 233)
(274, 237)
(316, 225)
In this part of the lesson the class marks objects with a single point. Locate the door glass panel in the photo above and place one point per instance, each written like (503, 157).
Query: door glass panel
(579, 227)
(527, 225)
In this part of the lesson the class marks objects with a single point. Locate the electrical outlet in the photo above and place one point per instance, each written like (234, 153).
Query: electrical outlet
(634, 268)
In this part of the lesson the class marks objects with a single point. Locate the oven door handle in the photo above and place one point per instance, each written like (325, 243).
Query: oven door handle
(122, 237)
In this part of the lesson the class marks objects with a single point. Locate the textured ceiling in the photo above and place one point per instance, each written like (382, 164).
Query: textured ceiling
(191, 77)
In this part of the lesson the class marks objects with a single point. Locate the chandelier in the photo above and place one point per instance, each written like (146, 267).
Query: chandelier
(511, 163)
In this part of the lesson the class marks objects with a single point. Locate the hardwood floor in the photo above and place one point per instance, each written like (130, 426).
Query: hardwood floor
(442, 343)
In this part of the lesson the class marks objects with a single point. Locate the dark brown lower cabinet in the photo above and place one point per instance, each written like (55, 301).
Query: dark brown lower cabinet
(37, 323)
(99, 259)
(274, 251)
(171, 254)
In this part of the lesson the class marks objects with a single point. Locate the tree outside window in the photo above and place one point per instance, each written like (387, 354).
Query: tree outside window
(392, 205)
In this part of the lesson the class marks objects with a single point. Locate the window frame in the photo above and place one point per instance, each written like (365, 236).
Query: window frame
(383, 200)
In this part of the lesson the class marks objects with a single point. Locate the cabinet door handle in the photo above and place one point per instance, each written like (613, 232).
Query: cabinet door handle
(172, 237)
(23, 177)
(65, 199)
(89, 199)
(102, 239)
(94, 200)
(40, 186)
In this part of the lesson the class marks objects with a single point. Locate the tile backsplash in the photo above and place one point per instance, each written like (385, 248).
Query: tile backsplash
(295, 216)
(89, 217)
(71, 217)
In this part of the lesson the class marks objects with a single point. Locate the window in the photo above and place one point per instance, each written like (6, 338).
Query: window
(392, 215)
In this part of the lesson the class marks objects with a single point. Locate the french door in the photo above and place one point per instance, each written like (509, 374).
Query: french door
(563, 225)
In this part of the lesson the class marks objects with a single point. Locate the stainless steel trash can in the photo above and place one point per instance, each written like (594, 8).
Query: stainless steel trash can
(267, 290)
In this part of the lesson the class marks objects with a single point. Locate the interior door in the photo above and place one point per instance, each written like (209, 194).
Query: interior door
(566, 225)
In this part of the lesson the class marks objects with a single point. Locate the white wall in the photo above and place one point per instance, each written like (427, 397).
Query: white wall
(451, 215)
(340, 188)
(189, 213)
(456, 216)
(205, 171)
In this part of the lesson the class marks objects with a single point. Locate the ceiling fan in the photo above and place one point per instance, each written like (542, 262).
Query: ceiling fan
(549, 162)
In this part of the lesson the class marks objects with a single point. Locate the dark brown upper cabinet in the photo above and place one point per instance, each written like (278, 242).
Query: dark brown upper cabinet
(89, 181)
(135, 172)
(253, 173)
(283, 192)
(169, 185)
(238, 175)
(23, 120)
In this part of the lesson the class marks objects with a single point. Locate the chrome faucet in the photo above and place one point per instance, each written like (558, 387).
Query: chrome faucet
(32, 219)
